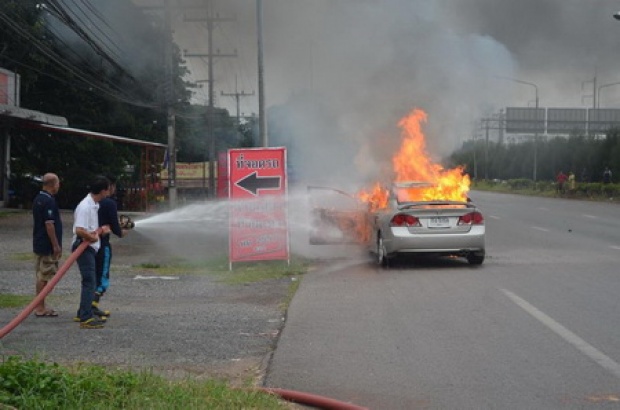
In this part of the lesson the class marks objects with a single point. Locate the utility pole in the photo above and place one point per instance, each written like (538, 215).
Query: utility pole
(486, 150)
(262, 123)
(170, 113)
(494, 122)
(211, 55)
(237, 96)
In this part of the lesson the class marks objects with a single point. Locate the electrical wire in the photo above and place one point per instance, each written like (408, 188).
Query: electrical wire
(93, 82)
(86, 26)
(64, 16)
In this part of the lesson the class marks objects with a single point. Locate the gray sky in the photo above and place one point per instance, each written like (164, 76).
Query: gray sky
(372, 61)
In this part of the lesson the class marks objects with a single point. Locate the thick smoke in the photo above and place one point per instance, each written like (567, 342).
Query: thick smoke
(339, 74)
(367, 64)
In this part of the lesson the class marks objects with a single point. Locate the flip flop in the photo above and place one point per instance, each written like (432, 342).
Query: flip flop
(47, 313)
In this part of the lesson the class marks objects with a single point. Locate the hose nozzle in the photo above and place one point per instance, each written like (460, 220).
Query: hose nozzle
(126, 222)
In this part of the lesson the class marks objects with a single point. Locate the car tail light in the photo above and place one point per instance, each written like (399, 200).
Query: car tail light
(472, 218)
(404, 220)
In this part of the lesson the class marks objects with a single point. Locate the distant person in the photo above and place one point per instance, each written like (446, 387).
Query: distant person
(560, 179)
(85, 225)
(572, 186)
(108, 215)
(607, 176)
(584, 176)
(46, 238)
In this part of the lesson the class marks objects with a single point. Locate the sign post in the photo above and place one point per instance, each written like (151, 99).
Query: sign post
(258, 223)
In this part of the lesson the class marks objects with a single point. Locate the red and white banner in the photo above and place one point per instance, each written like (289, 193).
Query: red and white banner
(9, 88)
(258, 224)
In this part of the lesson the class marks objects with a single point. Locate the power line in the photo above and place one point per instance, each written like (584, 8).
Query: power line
(78, 73)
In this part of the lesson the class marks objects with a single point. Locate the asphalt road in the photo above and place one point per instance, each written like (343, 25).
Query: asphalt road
(535, 327)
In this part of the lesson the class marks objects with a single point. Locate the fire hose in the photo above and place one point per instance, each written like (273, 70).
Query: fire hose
(289, 395)
(46, 289)
(313, 400)
(125, 223)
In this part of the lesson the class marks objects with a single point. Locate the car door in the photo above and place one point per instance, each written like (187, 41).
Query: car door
(336, 217)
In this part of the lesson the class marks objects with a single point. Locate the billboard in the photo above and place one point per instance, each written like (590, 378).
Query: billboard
(9, 88)
(566, 120)
(521, 120)
(188, 174)
(257, 188)
(602, 120)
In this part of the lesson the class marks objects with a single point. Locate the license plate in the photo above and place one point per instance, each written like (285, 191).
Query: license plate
(439, 222)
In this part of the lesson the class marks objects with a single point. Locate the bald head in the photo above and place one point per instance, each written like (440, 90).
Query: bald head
(51, 183)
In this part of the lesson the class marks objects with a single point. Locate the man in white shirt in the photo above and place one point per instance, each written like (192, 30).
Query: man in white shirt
(85, 225)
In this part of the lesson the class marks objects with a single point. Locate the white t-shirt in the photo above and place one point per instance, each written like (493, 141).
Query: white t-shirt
(86, 216)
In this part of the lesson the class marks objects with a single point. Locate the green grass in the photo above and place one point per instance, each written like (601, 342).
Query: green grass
(588, 191)
(37, 385)
(22, 256)
(243, 272)
(11, 301)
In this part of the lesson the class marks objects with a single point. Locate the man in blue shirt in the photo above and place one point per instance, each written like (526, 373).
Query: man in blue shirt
(46, 238)
(108, 215)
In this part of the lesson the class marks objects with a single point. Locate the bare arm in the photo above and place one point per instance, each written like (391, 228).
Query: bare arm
(85, 235)
(51, 233)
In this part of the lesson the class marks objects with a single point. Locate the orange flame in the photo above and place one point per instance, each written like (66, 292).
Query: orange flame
(377, 197)
(412, 163)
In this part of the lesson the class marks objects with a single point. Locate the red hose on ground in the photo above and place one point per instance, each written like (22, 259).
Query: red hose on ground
(312, 400)
(46, 290)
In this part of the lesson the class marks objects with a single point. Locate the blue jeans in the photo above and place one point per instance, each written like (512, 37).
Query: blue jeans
(103, 260)
(86, 263)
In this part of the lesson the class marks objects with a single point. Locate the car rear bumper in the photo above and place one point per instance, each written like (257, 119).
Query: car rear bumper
(401, 241)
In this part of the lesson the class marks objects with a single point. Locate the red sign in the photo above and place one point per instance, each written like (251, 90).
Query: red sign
(4, 88)
(258, 212)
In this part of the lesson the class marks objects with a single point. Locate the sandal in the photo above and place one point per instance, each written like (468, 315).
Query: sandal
(47, 313)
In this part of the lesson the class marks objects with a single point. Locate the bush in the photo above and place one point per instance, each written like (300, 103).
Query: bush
(521, 183)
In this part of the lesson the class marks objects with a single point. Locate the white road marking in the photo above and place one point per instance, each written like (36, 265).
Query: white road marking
(590, 216)
(615, 247)
(540, 229)
(494, 217)
(140, 277)
(581, 345)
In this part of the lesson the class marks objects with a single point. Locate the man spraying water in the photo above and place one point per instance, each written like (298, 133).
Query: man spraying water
(108, 215)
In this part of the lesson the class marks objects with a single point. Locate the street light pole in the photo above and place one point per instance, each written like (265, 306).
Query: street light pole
(598, 103)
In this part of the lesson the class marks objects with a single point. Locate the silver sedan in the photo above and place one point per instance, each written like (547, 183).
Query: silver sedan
(433, 227)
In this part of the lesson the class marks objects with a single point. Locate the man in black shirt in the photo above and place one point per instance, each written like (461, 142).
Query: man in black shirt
(108, 215)
(46, 238)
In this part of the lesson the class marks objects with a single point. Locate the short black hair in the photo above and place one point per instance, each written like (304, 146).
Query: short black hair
(111, 178)
(100, 183)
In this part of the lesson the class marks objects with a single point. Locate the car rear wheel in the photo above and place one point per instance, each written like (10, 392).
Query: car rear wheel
(381, 254)
(475, 258)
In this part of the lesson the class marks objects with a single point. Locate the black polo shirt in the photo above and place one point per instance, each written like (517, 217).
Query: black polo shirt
(44, 208)
(108, 215)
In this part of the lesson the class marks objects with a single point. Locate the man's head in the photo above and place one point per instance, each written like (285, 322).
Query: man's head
(99, 187)
(51, 183)
(112, 180)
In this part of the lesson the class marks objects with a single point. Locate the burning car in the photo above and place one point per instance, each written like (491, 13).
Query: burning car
(407, 220)
(434, 216)
(413, 224)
